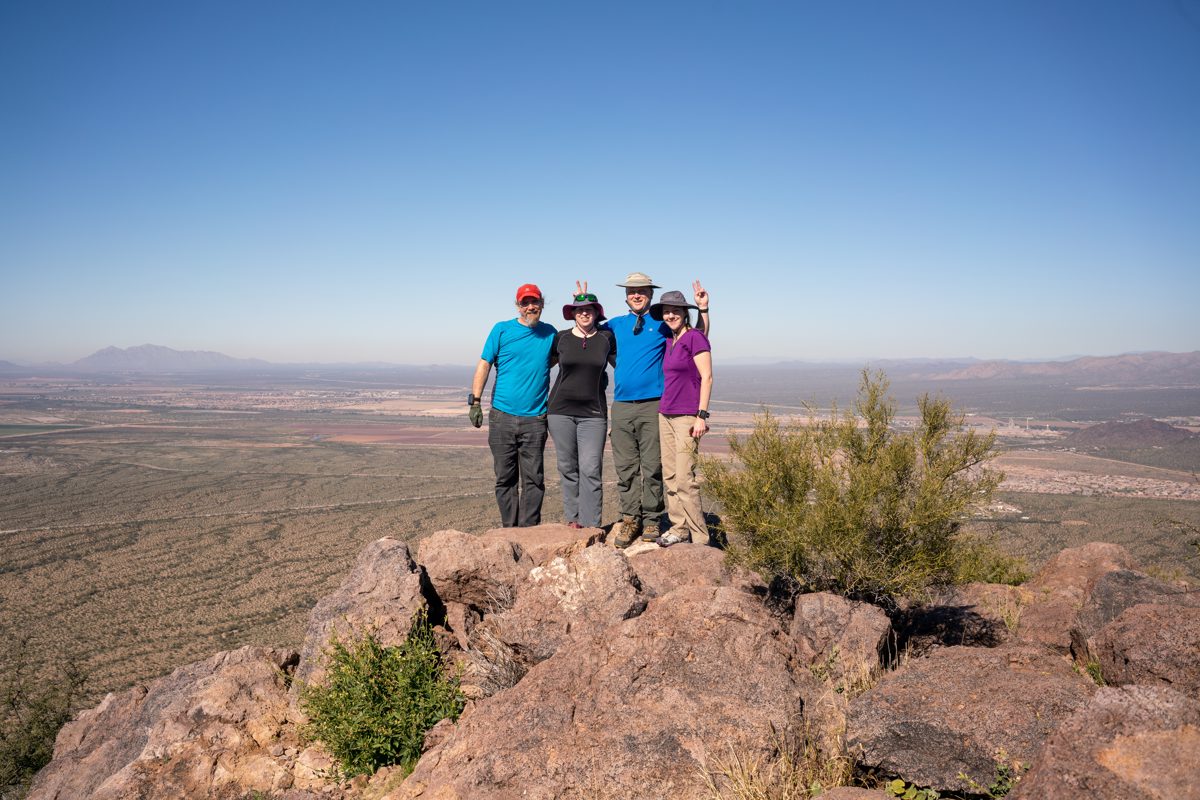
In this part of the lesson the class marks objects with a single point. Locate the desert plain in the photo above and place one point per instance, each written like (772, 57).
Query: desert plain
(147, 522)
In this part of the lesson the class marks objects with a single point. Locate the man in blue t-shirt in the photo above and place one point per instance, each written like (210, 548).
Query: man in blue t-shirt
(520, 349)
(637, 387)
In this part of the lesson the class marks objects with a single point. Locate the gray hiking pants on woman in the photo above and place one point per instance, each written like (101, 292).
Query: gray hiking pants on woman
(579, 443)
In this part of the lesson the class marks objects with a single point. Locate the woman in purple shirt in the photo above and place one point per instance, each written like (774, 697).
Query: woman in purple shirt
(683, 418)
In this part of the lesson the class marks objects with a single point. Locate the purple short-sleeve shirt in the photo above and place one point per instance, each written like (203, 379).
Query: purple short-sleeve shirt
(681, 379)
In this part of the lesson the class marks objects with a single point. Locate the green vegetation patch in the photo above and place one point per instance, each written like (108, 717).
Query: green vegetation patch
(852, 505)
(377, 703)
(32, 709)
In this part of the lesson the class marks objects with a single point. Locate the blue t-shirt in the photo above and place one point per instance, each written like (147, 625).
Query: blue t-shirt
(638, 374)
(521, 356)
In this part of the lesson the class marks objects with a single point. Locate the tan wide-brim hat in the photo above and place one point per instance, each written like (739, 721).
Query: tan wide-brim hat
(638, 280)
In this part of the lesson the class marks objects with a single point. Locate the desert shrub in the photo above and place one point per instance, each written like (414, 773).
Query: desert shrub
(852, 505)
(980, 559)
(32, 709)
(377, 703)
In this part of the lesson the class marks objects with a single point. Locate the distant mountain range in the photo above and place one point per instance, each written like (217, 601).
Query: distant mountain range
(155, 358)
(1173, 369)
(1127, 435)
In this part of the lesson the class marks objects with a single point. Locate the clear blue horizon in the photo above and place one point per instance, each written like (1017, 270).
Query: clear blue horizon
(372, 181)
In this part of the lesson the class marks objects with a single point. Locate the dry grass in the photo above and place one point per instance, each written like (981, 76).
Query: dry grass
(795, 769)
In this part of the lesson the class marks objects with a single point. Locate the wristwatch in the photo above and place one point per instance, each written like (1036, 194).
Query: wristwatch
(702, 414)
(472, 399)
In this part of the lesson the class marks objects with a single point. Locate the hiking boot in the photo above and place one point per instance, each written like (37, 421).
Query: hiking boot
(630, 530)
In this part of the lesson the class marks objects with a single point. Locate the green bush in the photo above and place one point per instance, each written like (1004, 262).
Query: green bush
(32, 709)
(377, 702)
(854, 506)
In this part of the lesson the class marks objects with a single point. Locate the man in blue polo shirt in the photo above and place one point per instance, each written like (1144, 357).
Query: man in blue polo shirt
(520, 349)
(637, 387)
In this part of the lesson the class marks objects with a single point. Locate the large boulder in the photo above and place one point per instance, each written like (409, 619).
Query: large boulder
(1151, 643)
(1111, 594)
(545, 542)
(569, 597)
(220, 727)
(841, 641)
(479, 573)
(1128, 742)
(971, 615)
(640, 709)
(383, 593)
(1061, 586)
(662, 570)
(961, 710)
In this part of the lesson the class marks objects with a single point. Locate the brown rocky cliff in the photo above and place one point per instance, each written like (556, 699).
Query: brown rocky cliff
(635, 673)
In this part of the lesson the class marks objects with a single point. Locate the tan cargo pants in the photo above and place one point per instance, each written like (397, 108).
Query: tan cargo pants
(682, 490)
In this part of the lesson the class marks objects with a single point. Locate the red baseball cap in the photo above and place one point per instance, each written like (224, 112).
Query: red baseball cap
(528, 290)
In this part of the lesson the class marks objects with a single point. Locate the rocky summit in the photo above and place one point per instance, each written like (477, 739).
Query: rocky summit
(594, 672)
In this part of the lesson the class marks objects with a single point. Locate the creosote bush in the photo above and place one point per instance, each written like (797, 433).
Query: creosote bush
(32, 709)
(377, 703)
(854, 506)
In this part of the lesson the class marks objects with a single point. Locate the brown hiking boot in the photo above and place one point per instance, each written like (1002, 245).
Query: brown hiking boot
(631, 529)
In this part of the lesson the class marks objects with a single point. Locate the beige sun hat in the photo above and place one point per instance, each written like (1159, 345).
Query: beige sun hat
(638, 280)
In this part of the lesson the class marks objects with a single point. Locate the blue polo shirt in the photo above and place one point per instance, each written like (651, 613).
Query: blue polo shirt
(638, 374)
(521, 356)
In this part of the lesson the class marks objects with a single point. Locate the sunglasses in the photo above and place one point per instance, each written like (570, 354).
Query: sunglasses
(530, 301)
(586, 298)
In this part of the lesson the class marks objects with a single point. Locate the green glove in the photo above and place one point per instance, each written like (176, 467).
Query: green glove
(476, 415)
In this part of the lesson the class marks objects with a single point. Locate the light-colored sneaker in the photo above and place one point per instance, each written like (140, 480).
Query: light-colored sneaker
(668, 539)
(631, 529)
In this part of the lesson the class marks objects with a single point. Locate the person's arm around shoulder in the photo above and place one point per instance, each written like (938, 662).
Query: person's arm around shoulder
(612, 346)
(700, 298)
(554, 349)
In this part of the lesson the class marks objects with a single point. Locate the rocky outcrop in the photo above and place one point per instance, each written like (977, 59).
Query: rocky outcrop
(1059, 588)
(956, 710)
(972, 615)
(841, 641)
(218, 726)
(568, 598)
(1136, 741)
(636, 710)
(1111, 594)
(544, 542)
(663, 570)
(600, 672)
(479, 573)
(383, 593)
(1154, 644)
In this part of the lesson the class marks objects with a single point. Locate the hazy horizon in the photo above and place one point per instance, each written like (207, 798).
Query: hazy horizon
(733, 360)
(312, 183)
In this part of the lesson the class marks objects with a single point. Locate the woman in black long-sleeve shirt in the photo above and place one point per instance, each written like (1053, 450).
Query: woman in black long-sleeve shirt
(578, 412)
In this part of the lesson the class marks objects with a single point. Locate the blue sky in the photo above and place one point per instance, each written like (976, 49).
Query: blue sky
(371, 181)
